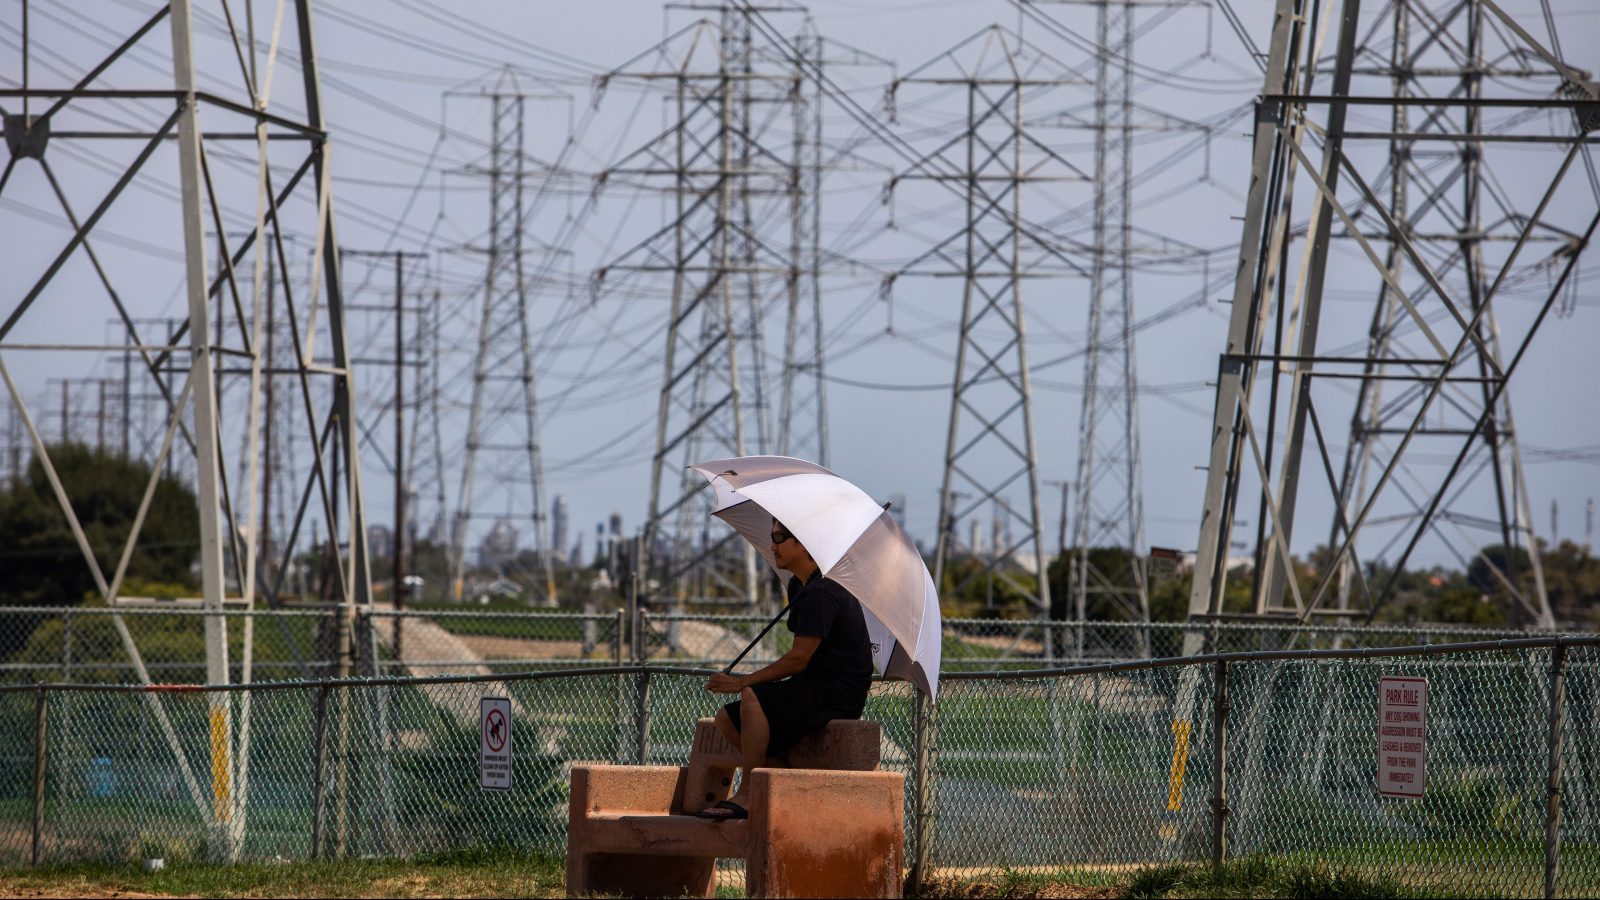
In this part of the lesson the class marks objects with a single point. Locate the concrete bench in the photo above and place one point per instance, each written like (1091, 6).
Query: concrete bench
(828, 826)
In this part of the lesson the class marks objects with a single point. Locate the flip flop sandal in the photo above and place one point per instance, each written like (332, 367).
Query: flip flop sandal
(730, 810)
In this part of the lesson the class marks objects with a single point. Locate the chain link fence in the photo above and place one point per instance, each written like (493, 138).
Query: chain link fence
(997, 644)
(1102, 767)
(131, 645)
(92, 644)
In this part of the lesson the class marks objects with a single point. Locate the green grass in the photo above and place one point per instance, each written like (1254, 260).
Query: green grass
(1250, 877)
(489, 871)
(465, 873)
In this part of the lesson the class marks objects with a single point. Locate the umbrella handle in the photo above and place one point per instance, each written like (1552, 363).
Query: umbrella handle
(752, 644)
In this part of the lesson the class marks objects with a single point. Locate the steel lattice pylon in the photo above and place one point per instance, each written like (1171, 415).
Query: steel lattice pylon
(1431, 374)
(990, 459)
(736, 240)
(1110, 492)
(209, 372)
(503, 422)
(803, 406)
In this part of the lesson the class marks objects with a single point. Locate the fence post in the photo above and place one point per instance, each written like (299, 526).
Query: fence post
(587, 629)
(40, 748)
(318, 762)
(924, 808)
(1552, 809)
(1219, 765)
(66, 646)
(641, 715)
(616, 640)
(640, 636)
(635, 574)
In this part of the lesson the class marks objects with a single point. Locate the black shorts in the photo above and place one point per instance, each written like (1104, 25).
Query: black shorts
(795, 707)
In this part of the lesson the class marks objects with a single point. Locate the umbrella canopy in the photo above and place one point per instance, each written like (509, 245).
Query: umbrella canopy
(854, 541)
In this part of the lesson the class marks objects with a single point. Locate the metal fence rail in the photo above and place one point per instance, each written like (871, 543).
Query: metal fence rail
(1108, 765)
(990, 644)
(91, 644)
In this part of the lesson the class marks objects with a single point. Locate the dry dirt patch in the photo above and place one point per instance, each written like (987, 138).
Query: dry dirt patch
(491, 647)
(77, 887)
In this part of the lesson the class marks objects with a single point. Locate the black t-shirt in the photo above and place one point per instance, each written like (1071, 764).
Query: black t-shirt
(824, 609)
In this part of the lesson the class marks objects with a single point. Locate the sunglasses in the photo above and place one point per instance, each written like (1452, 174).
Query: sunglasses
(780, 536)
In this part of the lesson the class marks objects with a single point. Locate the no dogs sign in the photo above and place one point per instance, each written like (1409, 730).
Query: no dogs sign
(494, 743)
(1402, 736)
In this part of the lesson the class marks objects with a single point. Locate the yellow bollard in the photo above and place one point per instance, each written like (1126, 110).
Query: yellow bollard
(1180, 761)
(1168, 830)
(221, 769)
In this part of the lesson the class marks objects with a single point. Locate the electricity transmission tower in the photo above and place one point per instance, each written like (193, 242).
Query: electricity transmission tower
(739, 248)
(1108, 514)
(165, 135)
(503, 424)
(990, 157)
(803, 407)
(1110, 493)
(1442, 222)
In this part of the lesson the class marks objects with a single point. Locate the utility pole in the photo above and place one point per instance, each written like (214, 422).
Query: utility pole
(397, 314)
(398, 540)
(100, 417)
(1588, 526)
(127, 397)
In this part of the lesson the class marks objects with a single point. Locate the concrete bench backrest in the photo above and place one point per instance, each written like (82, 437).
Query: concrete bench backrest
(844, 744)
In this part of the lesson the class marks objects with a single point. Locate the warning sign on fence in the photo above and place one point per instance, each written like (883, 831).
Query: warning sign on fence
(1402, 736)
(494, 744)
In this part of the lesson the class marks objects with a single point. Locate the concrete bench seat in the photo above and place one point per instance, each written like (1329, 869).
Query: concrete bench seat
(829, 826)
(669, 835)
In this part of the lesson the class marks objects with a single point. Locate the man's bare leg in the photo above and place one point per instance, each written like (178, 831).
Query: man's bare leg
(751, 739)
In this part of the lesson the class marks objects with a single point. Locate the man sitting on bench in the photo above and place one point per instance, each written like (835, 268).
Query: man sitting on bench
(824, 676)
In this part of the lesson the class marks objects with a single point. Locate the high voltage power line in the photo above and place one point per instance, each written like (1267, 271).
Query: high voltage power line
(599, 341)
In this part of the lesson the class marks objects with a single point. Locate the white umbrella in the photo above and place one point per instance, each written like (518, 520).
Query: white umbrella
(855, 542)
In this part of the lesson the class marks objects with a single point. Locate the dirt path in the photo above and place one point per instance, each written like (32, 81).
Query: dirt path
(493, 647)
(425, 643)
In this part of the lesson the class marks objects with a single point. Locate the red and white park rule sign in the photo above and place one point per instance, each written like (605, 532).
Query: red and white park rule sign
(1402, 736)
